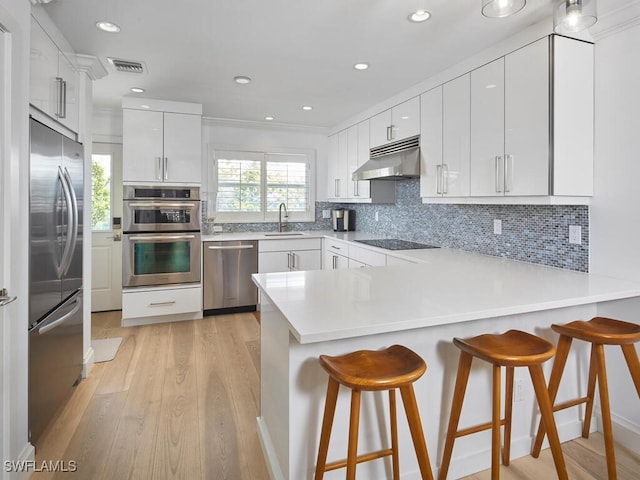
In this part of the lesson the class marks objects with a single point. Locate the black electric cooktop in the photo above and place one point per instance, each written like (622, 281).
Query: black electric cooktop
(395, 244)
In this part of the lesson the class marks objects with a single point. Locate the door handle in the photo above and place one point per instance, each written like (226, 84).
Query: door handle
(229, 247)
(5, 299)
(61, 320)
(438, 179)
(162, 304)
(445, 178)
(498, 180)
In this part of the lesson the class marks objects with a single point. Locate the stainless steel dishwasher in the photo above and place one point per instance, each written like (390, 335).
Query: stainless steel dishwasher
(227, 285)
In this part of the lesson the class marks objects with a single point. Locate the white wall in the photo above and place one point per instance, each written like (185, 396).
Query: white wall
(615, 220)
(14, 18)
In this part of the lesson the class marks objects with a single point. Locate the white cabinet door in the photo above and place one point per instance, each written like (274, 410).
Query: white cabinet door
(431, 143)
(306, 260)
(526, 73)
(70, 101)
(182, 148)
(333, 261)
(380, 128)
(44, 70)
(269, 262)
(142, 149)
(341, 167)
(405, 119)
(401, 121)
(352, 161)
(332, 166)
(363, 187)
(487, 129)
(456, 136)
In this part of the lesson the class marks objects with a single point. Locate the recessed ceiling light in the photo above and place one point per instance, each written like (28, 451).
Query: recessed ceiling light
(241, 79)
(108, 27)
(268, 118)
(307, 107)
(491, 85)
(419, 16)
(145, 106)
(361, 66)
(137, 90)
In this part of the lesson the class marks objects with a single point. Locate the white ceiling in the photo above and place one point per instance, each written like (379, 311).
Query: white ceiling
(298, 52)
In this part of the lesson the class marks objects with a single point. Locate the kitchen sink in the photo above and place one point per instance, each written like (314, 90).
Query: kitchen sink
(282, 234)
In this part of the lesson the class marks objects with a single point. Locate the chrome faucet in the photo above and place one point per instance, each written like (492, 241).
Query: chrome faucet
(286, 217)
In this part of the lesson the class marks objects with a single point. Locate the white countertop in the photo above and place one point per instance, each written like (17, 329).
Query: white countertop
(449, 286)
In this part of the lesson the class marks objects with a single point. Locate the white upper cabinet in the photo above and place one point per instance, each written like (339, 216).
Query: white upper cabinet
(401, 121)
(161, 147)
(362, 187)
(513, 112)
(352, 161)
(54, 81)
(333, 188)
(431, 143)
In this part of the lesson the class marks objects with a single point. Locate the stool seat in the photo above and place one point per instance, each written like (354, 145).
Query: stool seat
(599, 331)
(606, 331)
(513, 348)
(510, 349)
(395, 367)
(392, 367)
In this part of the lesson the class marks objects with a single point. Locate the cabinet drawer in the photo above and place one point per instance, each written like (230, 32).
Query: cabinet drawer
(369, 257)
(337, 247)
(287, 244)
(151, 303)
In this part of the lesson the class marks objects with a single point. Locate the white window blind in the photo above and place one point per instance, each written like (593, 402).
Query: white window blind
(250, 186)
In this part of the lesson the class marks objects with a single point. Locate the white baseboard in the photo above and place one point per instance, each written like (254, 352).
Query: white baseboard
(87, 362)
(625, 433)
(25, 464)
(275, 473)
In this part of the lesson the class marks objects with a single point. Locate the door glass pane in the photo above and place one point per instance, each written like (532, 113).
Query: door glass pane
(161, 257)
(100, 192)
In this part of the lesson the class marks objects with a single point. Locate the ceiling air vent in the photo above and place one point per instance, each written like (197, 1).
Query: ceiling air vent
(128, 66)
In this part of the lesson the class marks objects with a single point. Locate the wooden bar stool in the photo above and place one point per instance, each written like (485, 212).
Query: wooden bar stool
(599, 331)
(367, 370)
(510, 349)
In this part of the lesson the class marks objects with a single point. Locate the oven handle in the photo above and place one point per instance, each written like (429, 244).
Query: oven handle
(229, 247)
(161, 204)
(163, 237)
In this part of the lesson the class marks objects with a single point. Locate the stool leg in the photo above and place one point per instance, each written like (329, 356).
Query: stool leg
(495, 425)
(508, 414)
(591, 392)
(631, 356)
(605, 409)
(559, 362)
(354, 421)
(464, 366)
(394, 434)
(546, 410)
(327, 423)
(417, 434)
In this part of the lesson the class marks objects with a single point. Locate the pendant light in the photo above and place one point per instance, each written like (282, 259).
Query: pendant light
(501, 8)
(571, 16)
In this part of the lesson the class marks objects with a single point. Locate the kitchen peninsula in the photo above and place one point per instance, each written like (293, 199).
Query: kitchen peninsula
(422, 306)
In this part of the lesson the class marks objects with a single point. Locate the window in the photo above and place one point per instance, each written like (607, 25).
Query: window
(250, 186)
(100, 192)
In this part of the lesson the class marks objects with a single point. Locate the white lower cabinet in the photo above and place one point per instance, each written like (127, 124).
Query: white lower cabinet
(365, 257)
(289, 255)
(339, 254)
(159, 302)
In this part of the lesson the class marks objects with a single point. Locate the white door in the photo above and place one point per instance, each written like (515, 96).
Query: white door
(306, 260)
(106, 249)
(269, 262)
(456, 114)
(3, 240)
(431, 143)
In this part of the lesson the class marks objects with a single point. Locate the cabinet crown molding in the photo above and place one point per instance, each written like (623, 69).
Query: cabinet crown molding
(91, 65)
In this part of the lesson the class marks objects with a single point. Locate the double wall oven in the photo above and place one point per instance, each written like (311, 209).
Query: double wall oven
(161, 240)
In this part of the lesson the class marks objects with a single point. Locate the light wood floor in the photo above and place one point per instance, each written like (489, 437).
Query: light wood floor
(180, 401)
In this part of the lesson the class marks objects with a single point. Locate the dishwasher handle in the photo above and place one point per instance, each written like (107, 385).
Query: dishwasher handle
(229, 247)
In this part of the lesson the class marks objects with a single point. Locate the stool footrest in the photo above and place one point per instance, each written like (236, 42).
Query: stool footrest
(570, 403)
(478, 428)
(359, 459)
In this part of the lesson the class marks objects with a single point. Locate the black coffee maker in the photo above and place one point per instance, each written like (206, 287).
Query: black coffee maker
(343, 220)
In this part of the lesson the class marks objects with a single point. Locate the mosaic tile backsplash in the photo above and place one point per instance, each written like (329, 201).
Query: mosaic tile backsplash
(530, 233)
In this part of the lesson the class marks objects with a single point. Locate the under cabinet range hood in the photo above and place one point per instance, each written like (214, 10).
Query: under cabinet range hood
(395, 160)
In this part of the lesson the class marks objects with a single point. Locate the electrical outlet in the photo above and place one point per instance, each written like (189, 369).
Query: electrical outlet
(217, 228)
(326, 213)
(377, 216)
(575, 234)
(497, 227)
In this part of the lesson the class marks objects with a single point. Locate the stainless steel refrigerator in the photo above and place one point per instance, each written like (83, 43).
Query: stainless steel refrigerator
(55, 273)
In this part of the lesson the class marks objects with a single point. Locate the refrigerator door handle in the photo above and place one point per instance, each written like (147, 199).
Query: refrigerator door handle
(76, 223)
(61, 320)
(68, 250)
